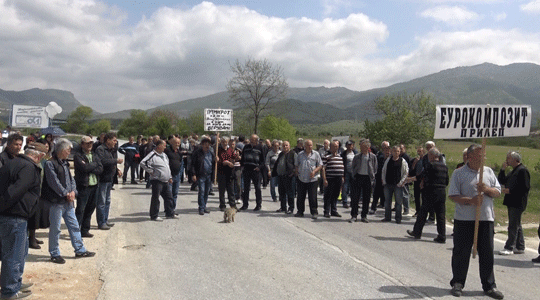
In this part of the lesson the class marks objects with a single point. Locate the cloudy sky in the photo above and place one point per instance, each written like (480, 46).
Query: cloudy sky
(115, 55)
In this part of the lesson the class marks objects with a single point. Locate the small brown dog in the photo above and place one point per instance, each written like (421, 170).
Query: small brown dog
(228, 215)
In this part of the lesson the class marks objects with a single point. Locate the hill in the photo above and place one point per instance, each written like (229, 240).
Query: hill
(480, 84)
(38, 97)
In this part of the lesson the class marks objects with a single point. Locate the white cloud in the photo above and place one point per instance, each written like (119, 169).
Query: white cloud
(532, 7)
(499, 17)
(176, 54)
(333, 6)
(452, 15)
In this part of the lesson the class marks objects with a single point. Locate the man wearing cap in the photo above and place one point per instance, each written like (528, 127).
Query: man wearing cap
(20, 180)
(87, 169)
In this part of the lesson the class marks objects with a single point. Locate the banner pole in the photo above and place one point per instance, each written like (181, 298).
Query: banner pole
(215, 167)
(479, 206)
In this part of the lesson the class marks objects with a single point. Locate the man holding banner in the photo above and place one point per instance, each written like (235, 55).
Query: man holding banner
(474, 186)
(468, 192)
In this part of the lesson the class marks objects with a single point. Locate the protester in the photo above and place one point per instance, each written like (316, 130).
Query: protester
(59, 188)
(270, 161)
(105, 155)
(323, 151)
(416, 168)
(225, 173)
(308, 164)
(467, 192)
(394, 174)
(157, 165)
(87, 171)
(516, 193)
(332, 177)
(175, 164)
(202, 168)
(348, 156)
(252, 162)
(284, 169)
(378, 193)
(435, 178)
(20, 179)
(364, 168)
(130, 151)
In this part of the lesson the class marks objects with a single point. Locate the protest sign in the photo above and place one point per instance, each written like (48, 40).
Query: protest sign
(25, 116)
(482, 121)
(218, 119)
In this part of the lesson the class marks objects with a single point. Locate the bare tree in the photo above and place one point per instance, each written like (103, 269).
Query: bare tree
(256, 83)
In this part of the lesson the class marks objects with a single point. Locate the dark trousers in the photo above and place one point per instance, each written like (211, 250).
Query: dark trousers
(251, 176)
(129, 164)
(431, 212)
(435, 201)
(361, 187)
(86, 205)
(417, 196)
(286, 192)
(378, 194)
(161, 189)
(311, 189)
(461, 254)
(225, 182)
(331, 193)
(264, 175)
(515, 232)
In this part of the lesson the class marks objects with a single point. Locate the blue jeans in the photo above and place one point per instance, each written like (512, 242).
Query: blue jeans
(389, 191)
(14, 251)
(346, 187)
(406, 196)
(273, 185)
(174, 188)
(66, 211)
(103, 202)
(204, 183)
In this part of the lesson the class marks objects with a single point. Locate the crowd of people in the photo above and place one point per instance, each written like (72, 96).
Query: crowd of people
(37, 189)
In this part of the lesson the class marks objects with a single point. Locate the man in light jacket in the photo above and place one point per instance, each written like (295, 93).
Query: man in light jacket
(394, 174)
(364, 168)
(156, 163)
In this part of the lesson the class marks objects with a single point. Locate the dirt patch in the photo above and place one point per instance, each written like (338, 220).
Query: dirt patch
(76, 279)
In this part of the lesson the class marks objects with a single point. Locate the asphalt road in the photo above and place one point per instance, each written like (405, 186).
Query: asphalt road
(269, 255)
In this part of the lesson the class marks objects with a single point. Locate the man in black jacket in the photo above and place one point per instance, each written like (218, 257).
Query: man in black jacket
(12, 148)
(129, 149)
(87, 169)
(284, 170)
(202, 168)
(20, 180)
(516, 193)
(105, 156)
(253, 161)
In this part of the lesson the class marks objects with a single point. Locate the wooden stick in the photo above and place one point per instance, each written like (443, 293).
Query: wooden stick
(479, 206)
(215, 167)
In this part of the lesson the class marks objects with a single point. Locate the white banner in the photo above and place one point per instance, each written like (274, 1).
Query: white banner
(29, 117)
(482, 121)
(218, 119)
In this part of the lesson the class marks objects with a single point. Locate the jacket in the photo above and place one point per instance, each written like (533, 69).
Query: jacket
(252, 157)
(518, 182)
(157, 165)
(129, 151)
(20, 183)
(83, 167)
(404, 171)
(289, 165)
(372, 165)
(58, 180)
(108, 162)
(344, 156)
(197, 162)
